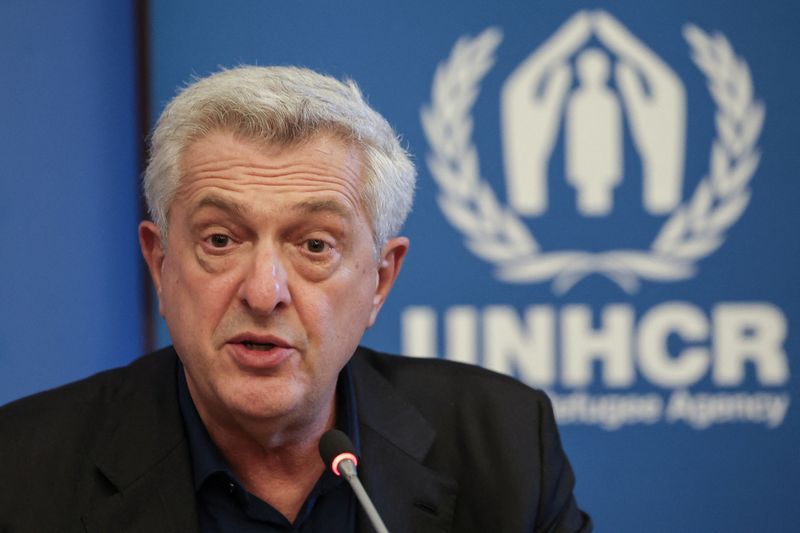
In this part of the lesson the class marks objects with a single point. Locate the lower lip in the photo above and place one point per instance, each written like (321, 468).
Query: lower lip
(253, 359)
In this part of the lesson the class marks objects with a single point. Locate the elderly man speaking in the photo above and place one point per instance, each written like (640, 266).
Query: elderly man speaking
(276, 196)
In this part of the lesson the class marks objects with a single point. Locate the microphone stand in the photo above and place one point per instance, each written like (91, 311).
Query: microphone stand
(348, 470)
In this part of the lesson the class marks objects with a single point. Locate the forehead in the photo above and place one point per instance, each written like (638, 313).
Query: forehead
(319, 171)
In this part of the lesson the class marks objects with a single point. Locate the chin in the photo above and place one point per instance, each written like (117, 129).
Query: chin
(265, 400)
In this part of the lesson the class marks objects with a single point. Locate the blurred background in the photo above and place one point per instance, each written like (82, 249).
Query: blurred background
(606, 209)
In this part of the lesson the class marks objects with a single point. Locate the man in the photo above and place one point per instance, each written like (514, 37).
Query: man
(276, 196)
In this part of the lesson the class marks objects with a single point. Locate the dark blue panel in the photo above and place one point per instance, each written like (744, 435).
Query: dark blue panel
(71, 302)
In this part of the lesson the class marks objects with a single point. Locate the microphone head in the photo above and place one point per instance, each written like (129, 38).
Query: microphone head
(334, 447)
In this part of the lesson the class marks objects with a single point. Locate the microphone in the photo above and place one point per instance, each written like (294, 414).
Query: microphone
(338, 452)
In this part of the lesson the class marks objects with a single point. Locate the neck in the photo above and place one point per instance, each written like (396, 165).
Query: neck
(282, 476)
(276, 460)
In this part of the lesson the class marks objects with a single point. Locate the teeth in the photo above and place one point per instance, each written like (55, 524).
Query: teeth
(258, 346)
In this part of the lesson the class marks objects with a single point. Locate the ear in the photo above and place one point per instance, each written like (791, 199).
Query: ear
(392, 255)
(153, 252)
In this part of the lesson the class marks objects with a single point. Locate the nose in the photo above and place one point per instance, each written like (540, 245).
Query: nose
(265, 287)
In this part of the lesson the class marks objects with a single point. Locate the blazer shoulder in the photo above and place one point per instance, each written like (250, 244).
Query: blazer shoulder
(448, 378)
(68, 449)
(69, 418)
(101, 389)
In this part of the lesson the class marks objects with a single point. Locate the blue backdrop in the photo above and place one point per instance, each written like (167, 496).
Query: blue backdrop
(605, 209)
(70, 300)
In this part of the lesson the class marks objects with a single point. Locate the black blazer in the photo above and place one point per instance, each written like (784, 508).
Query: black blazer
(445, 447)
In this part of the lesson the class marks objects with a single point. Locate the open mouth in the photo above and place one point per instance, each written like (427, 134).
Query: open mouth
(260, 352)
(264, 347)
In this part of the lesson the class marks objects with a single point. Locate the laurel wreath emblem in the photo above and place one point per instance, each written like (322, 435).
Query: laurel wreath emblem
(493, 232)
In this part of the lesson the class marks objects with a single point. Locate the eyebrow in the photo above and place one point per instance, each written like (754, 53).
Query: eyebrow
(323, 206)
(217, 202)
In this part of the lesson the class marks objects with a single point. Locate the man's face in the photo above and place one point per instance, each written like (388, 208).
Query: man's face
(268, 278)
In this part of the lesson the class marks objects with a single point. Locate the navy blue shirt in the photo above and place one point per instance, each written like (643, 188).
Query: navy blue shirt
(225, 505)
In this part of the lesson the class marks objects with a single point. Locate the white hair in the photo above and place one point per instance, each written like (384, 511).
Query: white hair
(284, 106)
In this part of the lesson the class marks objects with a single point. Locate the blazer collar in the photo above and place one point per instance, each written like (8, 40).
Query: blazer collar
(146, 458)
(395, 440)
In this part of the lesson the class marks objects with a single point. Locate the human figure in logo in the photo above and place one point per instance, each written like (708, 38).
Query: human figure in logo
(593, 133)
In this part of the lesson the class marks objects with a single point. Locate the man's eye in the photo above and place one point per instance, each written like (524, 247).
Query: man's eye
(218, 240)
(316, 246)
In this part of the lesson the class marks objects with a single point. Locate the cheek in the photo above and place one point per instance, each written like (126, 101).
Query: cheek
(174, 287)
(351, 303)
(193, 295)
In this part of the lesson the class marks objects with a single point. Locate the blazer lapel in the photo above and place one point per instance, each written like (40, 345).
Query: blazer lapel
(146, 459)
(395, 439)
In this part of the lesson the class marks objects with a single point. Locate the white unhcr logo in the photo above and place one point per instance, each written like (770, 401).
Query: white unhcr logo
(617, 365)
(576, 347)
(535, 98)
(737, 349)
